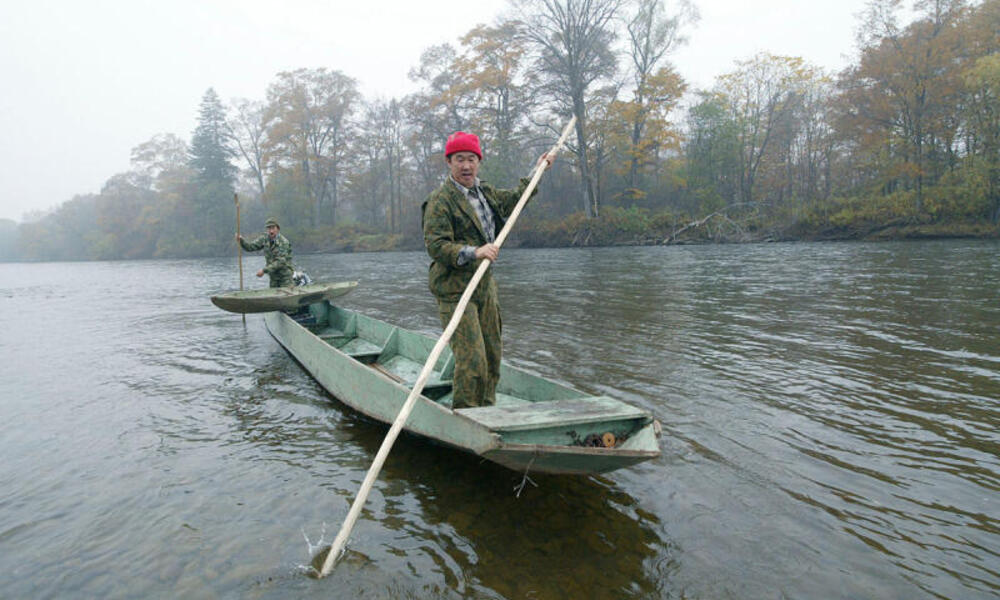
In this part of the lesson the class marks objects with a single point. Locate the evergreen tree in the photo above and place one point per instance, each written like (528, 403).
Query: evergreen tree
(210, 153)
(215, 176)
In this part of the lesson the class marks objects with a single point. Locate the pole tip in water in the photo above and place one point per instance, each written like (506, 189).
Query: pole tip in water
(317, 563)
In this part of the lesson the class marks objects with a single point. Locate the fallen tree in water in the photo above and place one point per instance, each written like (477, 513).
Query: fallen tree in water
(718, 234)
(720, 227)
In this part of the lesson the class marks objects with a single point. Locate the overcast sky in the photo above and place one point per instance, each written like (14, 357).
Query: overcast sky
(86, 81)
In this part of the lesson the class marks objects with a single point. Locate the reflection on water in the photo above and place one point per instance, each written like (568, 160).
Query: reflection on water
(458, 516)
(830, 418)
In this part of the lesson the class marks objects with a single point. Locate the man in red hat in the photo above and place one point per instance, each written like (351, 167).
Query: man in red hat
(461, 220)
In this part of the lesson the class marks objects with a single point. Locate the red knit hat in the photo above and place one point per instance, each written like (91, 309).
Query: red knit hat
(462, 142)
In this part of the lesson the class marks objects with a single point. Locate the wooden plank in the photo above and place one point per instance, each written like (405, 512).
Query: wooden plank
(590, 409)
(387, 372)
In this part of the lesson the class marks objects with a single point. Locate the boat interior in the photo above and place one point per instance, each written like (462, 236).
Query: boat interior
(529, 409)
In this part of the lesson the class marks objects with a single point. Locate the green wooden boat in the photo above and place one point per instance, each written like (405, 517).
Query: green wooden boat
(537, 425)
(281, 298)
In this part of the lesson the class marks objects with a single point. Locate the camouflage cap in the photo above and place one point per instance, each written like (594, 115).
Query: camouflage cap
(271, 221)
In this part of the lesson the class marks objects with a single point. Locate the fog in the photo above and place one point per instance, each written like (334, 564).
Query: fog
(84, 83)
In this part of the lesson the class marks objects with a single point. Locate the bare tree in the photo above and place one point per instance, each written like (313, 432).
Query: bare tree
(157, 158)
(492, 69)
(761, 96)
(573, 46)
(441, 105)
(652, 35)
(247, 131)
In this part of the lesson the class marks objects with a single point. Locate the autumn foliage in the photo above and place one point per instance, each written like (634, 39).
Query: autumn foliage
(904, 142)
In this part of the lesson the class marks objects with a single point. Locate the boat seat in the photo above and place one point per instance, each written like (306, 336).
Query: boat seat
(434, 389)
(556, 413)
(503, 400)
(357, 348)
(406, 371)
(331, 335)
(361, 350)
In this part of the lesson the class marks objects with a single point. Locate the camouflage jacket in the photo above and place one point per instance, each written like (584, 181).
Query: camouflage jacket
(450, 223)
(277, 254)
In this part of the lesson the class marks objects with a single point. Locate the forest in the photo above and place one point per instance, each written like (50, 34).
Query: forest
(902, 143)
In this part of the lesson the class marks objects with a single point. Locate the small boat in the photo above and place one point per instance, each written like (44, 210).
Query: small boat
(537, 425)
(281, 298)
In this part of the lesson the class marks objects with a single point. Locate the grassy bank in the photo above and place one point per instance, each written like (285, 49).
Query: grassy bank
(640, 227)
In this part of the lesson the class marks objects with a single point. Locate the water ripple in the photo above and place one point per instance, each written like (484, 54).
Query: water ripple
(830, 429)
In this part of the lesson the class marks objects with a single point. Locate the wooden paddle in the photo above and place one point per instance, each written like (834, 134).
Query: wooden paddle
(341, 540)
(239, 246)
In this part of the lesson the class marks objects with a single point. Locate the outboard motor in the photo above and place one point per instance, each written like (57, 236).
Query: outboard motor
(300, 278)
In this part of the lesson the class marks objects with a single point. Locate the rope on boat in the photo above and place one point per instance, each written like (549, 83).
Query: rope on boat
(519, 487)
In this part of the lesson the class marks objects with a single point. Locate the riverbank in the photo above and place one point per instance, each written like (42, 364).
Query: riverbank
(844, 221)
(638, 227)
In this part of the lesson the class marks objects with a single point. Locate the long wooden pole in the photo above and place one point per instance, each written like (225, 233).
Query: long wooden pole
(341, 540)
(239, 246)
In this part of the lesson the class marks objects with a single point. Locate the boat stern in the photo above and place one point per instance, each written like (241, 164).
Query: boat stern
(593, 434)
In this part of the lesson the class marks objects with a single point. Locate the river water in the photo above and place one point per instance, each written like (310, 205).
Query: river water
(830, 411)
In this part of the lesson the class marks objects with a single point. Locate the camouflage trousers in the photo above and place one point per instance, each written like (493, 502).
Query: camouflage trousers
(282, 278)
(476, 346)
